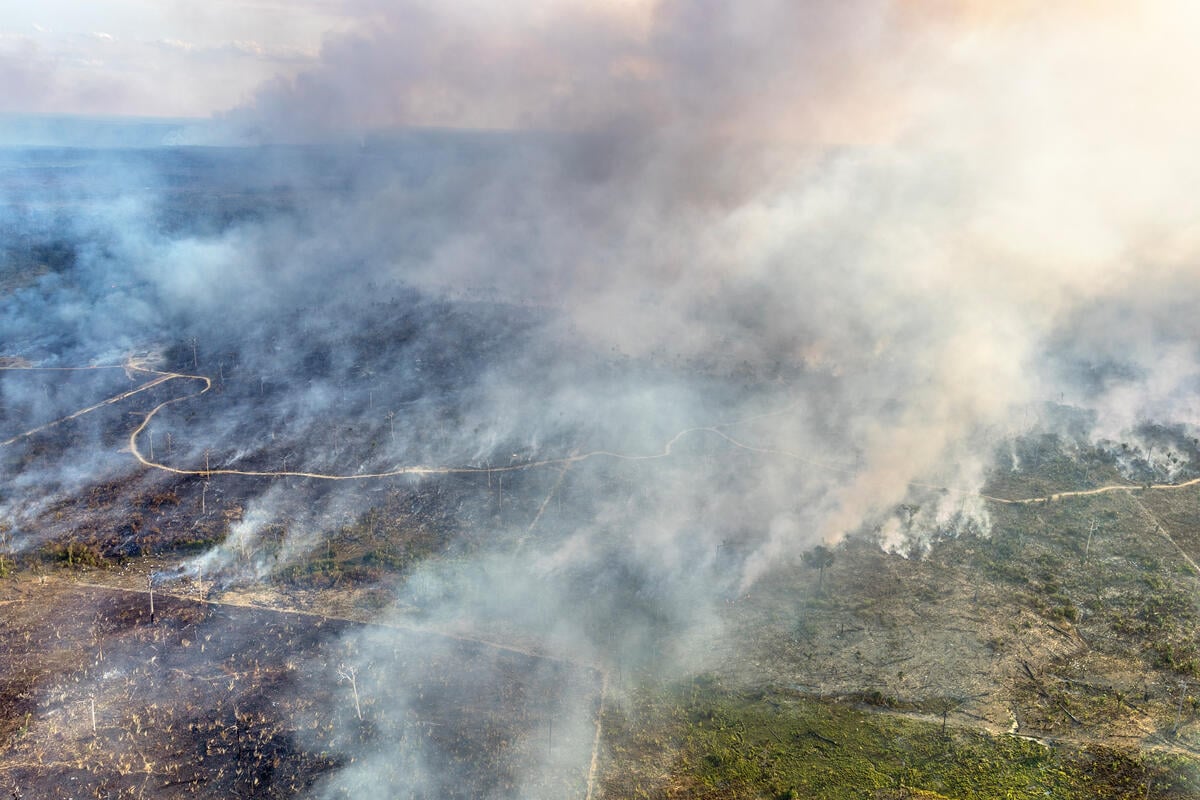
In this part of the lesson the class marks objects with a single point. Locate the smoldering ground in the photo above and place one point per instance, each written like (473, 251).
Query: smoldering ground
(780, 268)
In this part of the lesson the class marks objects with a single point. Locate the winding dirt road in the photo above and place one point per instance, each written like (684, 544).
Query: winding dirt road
(204, 384)
(562, 461)
(159, 377)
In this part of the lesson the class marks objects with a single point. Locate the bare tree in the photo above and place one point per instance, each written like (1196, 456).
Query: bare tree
(350, 675)
(1179, 710)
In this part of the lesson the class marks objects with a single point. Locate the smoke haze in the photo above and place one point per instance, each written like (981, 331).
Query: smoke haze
(773, 269)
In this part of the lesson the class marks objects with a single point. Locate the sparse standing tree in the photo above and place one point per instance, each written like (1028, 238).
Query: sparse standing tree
(818, 558)
(945, 705)
(350, 675)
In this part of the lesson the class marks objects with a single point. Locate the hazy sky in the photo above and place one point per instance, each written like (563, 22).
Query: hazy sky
(153, 57)
(196, 57)
(847, 71)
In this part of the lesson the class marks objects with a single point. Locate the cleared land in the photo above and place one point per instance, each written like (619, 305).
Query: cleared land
(1055, 653)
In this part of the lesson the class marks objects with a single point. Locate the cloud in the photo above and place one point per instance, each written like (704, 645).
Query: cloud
(240, 47)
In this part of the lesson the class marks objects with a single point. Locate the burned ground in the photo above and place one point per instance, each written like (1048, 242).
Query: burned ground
(209, 699)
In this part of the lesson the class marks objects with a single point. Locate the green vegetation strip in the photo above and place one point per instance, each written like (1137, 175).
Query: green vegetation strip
(726, 744)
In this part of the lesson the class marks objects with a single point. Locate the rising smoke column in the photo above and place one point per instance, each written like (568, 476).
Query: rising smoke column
(912, 197)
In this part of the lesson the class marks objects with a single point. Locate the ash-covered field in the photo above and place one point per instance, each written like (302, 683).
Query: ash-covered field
(205, 699)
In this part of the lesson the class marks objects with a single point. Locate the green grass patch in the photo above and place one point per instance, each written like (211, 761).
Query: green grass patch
(376, 545)
(731, 744)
